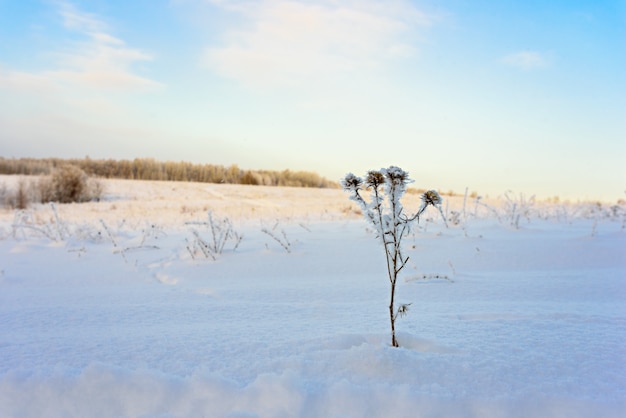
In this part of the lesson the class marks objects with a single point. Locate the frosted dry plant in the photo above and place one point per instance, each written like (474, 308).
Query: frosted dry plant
(54, 229)
(145, 242)
(280, 239)
(515, 208)
(222, 231)
(385, 213)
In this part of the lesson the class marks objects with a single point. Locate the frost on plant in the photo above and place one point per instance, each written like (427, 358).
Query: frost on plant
(281, 239)
(221, 232)
(55, 229)
(384, 211)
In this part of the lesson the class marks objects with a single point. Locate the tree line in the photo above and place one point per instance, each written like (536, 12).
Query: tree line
(151, 169)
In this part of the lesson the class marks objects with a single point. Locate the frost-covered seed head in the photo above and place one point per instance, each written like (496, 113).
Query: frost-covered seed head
(431, 197)
(351, 182)
(375, 179)
(396, 175)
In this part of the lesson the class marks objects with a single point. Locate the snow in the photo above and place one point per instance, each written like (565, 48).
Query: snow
(504, 321)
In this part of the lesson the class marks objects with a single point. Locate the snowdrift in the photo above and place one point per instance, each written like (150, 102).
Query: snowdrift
(106, 309)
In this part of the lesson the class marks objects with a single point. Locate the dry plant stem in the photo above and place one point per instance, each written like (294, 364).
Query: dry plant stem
(394, 341)
(396, 260)
(284, 242)
(25, 220)
(57, 220)
(117, 248)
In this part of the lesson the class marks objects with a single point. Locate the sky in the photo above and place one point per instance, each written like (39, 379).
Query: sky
(527, 96)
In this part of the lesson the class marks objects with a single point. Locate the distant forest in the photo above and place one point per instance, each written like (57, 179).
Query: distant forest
(151, 169)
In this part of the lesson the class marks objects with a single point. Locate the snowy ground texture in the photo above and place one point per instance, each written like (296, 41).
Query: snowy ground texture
(112, 309)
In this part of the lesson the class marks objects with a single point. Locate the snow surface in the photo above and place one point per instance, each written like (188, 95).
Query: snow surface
(105, 313)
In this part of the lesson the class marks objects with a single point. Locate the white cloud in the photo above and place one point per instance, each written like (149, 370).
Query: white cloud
(291, 42)
(100, 60)
(526, 60)
(80, 21)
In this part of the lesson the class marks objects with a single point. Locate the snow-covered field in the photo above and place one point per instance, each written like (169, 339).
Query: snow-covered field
(112, 309)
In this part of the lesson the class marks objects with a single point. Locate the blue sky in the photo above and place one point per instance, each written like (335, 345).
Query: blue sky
(528, 96)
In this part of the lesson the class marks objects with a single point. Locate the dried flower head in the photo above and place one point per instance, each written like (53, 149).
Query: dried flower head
(396, 175)
(375, 179)
(351, 182)
(431, 197)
